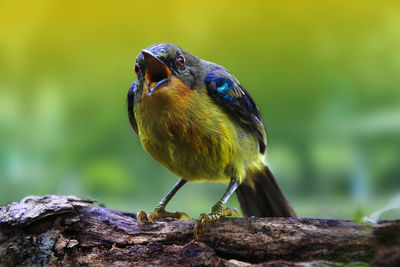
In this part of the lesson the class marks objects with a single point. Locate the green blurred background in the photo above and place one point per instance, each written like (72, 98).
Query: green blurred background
(325, 75)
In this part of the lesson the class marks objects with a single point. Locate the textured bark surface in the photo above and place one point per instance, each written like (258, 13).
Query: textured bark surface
(66, 230)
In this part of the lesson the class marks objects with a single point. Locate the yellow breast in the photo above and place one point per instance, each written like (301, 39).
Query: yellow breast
(189, 134)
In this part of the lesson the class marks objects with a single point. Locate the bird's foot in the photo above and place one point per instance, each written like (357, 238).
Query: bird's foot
(216, 213)
(158, 213)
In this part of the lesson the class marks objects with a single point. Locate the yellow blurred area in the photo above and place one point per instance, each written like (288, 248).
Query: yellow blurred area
(325, 75)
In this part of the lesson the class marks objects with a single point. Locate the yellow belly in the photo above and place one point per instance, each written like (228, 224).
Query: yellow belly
(193, 137)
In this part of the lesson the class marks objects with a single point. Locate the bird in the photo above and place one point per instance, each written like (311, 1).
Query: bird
(195, 118)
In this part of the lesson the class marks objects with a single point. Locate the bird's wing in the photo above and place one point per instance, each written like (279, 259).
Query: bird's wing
(227, 91)
(131, 101)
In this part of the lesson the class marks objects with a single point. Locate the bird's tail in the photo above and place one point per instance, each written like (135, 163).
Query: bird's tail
(260, 196)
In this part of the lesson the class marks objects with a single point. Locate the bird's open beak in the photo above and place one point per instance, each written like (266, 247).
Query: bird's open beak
(157, 72)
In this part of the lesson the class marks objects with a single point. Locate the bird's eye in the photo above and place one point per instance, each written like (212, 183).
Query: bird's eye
(181, 60)
(137, 69)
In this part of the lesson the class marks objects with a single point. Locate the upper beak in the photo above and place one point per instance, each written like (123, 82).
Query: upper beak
(156, 73)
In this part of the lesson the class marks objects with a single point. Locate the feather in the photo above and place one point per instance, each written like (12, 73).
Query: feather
(131, 101)
(226, 90)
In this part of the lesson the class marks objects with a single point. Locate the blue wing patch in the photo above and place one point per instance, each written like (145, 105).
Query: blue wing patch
(223, 85)
(132, 88)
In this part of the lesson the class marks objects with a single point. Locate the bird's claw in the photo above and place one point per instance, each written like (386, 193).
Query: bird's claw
(162, 213)
(212, 216)
(141, 216)
(159, 213)
(230, 212)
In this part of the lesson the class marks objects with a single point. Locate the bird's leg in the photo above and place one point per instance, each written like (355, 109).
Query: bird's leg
(218, 211)
(159, 211)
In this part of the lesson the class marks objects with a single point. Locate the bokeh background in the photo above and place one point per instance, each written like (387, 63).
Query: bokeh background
(325, 75)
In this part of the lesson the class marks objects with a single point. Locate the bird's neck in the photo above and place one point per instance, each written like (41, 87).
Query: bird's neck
(169, 104)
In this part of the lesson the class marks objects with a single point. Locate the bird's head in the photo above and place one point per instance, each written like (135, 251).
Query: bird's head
(157, 64)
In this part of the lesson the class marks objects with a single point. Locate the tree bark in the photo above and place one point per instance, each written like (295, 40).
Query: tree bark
(67, 230)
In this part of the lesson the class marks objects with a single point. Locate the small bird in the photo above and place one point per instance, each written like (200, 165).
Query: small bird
(195, 118)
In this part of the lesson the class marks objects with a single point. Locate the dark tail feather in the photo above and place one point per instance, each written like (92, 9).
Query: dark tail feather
(266, 199)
